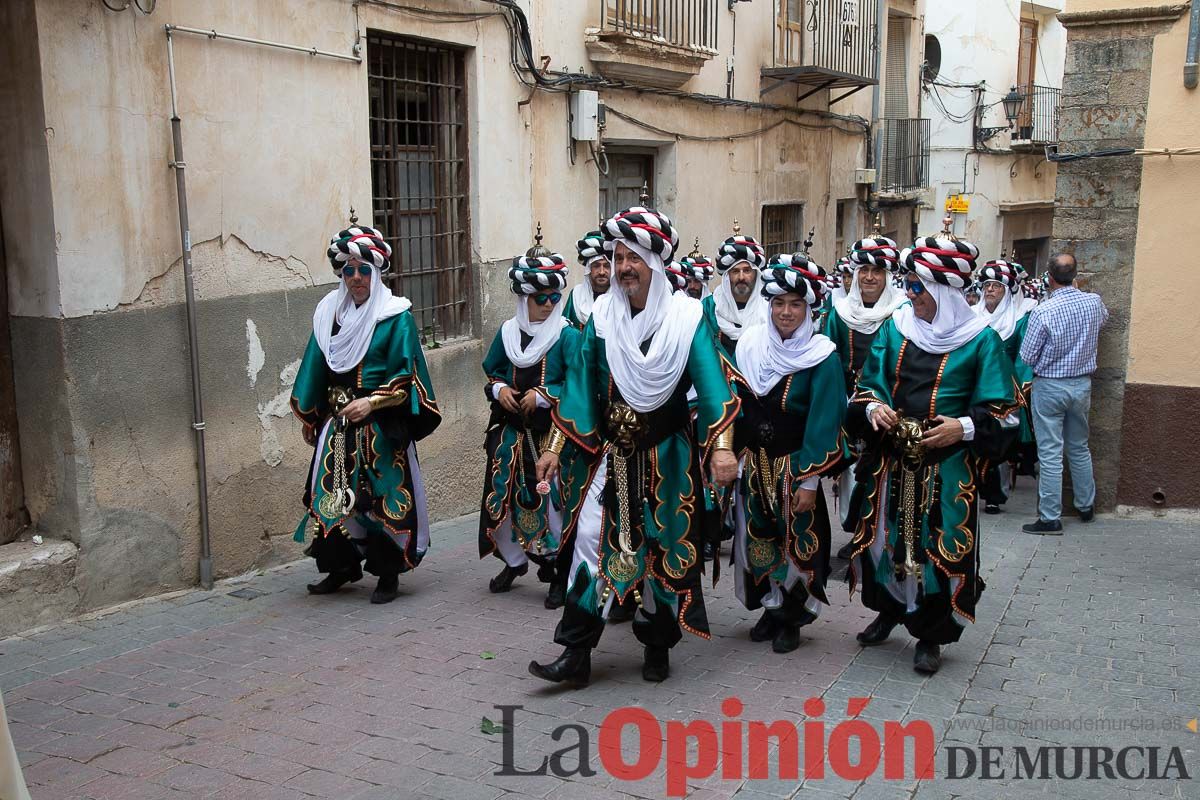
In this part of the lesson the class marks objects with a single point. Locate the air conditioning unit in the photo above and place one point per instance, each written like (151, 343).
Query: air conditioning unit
(864, 176)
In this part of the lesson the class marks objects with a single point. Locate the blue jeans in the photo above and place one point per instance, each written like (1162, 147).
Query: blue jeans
(1060, 420)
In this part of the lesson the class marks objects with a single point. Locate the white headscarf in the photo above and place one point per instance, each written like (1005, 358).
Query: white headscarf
(1006, 316)
(582, 299)
(735, 321)
(346, 350)
(544, 334)
(764, 358)
(867, 320)
(954, 324)
(647, 381)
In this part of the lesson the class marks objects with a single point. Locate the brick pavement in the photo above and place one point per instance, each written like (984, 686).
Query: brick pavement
(277, 694)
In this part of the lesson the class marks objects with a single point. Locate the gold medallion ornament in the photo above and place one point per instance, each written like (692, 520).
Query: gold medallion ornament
(329, 506)
(623, 567)
(760, 552)
(527, 520)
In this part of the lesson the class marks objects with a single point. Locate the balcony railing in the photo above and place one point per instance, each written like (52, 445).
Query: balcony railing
(824, 44)
(905, 166)
(1038, 121)
(686, 24)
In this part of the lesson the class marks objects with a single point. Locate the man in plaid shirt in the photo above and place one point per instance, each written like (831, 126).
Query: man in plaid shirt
(1060, 345)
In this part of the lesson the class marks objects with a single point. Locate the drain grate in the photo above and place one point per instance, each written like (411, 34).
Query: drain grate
(246, 593)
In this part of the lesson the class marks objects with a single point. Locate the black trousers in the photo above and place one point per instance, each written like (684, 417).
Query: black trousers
(339, 553)
(581, 628)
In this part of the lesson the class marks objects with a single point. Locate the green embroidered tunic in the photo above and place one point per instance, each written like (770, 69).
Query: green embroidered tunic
(975, 381)
(378, 455)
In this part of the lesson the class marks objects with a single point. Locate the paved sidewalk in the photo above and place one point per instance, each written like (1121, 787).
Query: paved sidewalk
(258, 690)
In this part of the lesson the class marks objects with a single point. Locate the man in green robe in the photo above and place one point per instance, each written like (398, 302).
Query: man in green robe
(736, 304)
(364, 397)
(1006, 311)
(939, 395)
(639, 519)
(597, 277)
(790, 435)
(519, 519)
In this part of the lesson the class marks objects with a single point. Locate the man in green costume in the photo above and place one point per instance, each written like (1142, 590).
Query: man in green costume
(638, 519)
(851, 324)
(736, 304)
(939, 394)
(1006, 311)
(790, 434)
(597, 277)
(364, 397)
(519, 519)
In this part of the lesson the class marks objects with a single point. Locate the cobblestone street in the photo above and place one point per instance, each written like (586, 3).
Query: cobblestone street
(258, 690)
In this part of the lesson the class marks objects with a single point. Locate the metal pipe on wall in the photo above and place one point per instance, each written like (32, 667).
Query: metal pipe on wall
(877, 90)
(1191, 69)
(185, 237)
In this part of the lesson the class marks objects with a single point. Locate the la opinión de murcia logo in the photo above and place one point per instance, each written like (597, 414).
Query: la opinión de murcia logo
(784, 749)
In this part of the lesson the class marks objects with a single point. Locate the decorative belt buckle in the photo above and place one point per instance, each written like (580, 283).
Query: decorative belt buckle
(339, 397)
(624, 426)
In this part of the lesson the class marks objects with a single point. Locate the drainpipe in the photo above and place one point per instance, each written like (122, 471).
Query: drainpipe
(877, 91)
(1191, 70)
(185, 237)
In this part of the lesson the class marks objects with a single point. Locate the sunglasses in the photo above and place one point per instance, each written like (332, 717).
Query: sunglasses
(542, 299)
(362, 269)
(916, 287)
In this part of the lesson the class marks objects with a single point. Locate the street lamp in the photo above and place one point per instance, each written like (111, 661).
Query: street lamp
(1012, 105)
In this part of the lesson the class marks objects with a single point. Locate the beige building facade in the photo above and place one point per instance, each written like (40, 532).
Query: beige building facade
(1123, 216)
(414, 116)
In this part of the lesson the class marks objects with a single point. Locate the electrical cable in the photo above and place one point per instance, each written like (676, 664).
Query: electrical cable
(433, 15)
(1056, 157)
(112, 8)
(145, 11)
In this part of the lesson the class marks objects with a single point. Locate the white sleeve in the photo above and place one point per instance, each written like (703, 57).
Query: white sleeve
(496, 387)
(811, 483)
(968, 426)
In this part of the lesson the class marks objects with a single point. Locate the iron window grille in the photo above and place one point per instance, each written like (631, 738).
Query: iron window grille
(783, 228)
(419, 177)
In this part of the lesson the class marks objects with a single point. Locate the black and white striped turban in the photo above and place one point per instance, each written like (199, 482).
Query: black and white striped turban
(698, 269)
(645, 228)
(795, 273)
(365, 244)
(973, 288)
(590, 247)
(740, 248)
(1000, 271)
(844, 265)
(833, 280)
(534, 274)
(946, 261)
(877, 251)
(677, 276)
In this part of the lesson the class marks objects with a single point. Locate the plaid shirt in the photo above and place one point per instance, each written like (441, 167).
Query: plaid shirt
(1060, 341)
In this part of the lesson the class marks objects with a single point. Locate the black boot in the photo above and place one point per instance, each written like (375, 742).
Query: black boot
(504, 581)
(623, 611)
(765, 629)
(556, 596)
(334, 581)
(573, 666)
(928, 658)
(656, 666)
(878, 631)
(387, 590)
(787, 639)
(545, 572)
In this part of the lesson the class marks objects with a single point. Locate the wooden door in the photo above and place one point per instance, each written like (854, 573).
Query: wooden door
(1027, 75)
(628, 172)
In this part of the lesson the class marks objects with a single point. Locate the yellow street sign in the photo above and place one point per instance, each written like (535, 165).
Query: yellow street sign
(958, 203)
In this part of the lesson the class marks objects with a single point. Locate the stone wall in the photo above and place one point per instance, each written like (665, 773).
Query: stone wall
(1106, 89)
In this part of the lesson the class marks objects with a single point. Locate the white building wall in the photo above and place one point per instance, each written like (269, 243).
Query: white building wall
(979, 45)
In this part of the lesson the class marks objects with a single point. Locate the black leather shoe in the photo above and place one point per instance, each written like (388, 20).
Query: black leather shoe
(574, 666)
(556, 596)
(846, 551)
(657, 664)
(387, 590)
(334, 581)
(1044, 527)
(765, 629)
(1087, 514)
(545, 572)
(991, 508)
(877, 632)
(927, 658)
(504, 581)
(787, 639)
(623, 612)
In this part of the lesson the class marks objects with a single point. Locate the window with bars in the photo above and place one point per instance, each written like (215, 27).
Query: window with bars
(783, 228)
(419, 177)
